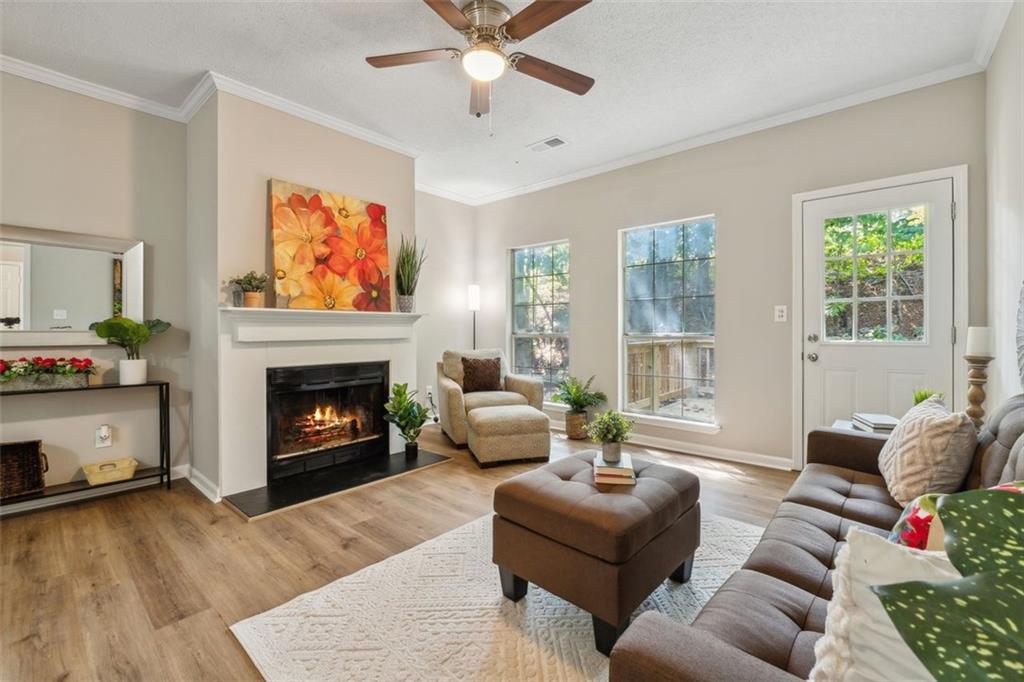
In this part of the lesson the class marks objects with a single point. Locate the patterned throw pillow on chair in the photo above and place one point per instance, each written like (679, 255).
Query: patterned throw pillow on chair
(481, 374)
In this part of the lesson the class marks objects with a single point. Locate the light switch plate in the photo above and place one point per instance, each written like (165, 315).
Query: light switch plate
(780, 313)
(59, 314)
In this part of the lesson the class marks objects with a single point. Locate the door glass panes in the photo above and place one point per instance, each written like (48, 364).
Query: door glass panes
(668, 285)
(540, 313)
(874, 276)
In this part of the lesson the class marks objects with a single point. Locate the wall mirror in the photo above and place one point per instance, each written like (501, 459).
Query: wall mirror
(54, 284)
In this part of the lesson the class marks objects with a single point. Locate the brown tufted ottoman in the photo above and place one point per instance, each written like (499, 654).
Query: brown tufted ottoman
(603, 548)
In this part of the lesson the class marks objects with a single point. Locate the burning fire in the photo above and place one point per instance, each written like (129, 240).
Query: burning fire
(327, 418)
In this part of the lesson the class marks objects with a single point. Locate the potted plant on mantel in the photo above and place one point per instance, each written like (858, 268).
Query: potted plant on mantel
(132, 336)
(408, 415)
(611, 430)
(407, 273)
(578, 396)
(253, 287)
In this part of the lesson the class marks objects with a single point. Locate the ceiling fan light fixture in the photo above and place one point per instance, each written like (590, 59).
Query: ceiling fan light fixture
(483, 62)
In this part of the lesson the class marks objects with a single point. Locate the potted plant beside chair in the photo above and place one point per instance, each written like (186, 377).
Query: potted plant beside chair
(132, 336)
(578, 397)
(611, 430)
(408, 415)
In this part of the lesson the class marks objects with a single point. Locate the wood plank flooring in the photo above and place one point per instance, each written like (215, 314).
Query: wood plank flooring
(143, 586)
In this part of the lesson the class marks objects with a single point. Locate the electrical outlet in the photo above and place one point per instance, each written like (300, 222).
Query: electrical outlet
(780, 313)
(430, 390)
(104, 436)
(59, 314)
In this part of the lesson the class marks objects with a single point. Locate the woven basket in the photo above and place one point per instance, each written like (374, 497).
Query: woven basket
(110, 471)
(22, 468)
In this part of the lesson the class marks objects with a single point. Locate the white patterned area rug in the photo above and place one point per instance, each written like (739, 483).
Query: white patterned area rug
(436, 612)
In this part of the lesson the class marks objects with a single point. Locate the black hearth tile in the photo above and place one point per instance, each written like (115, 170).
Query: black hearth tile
(293, 490)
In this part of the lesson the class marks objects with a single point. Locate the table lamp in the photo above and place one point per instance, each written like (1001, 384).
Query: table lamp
(978, 353)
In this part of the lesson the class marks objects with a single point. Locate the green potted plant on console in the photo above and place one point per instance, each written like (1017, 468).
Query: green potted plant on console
(578, 396)
(611, 430)
(408, 415)
(132, 336)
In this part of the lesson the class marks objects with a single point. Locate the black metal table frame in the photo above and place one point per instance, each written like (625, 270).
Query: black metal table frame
(163, 471)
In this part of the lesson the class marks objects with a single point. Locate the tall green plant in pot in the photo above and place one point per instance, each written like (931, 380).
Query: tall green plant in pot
(578, 397)
(611, 430)
(408, 415)
(407, 273)
(132, 336)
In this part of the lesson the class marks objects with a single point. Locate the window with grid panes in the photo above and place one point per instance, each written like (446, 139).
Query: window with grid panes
(540, 313)
(668, 312)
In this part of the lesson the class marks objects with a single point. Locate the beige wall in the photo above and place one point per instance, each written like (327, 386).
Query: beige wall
(1005, 113)
(74, 163)
(748, 182)
(447, 229)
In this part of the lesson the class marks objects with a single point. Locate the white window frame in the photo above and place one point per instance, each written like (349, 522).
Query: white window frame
(680, 424)
(510, 308)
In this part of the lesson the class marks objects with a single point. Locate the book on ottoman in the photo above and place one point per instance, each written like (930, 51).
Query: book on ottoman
(614, 473)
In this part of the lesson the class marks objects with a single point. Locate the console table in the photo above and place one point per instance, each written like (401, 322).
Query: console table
(64, 493)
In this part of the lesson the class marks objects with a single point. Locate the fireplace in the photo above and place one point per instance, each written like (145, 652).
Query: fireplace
(325, 415)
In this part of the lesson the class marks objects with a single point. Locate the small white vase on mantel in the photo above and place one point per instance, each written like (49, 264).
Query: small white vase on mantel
(132, 372)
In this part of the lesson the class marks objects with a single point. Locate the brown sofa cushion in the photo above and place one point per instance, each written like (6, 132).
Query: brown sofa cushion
(851, 494)
(481, 374)
(561, 502)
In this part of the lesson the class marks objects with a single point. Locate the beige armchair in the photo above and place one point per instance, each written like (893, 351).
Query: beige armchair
(454, 405)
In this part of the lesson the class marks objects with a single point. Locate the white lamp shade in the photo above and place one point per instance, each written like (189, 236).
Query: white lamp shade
(473, 297)
(979, 342)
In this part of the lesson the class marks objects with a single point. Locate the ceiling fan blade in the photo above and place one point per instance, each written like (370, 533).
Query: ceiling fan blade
(450, 13)
(479, 98)
(551, 73)
(402, 58)
(538, 15)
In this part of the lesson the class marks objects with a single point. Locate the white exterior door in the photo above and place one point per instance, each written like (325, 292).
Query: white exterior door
(878, 294)
(11, 293)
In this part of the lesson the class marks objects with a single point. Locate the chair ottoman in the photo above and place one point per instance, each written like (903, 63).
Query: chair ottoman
(507, 433)
(604, 548)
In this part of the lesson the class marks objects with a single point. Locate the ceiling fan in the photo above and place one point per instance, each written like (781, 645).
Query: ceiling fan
(488, 26)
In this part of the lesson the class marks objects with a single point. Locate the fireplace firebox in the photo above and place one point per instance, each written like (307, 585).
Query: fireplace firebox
(325, 415)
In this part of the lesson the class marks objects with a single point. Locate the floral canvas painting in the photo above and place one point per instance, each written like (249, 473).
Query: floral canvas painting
(330, 250)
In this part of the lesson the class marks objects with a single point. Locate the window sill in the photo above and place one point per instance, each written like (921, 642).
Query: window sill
(677, 424)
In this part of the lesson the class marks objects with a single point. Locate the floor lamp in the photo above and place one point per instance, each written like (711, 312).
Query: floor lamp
(473, 303)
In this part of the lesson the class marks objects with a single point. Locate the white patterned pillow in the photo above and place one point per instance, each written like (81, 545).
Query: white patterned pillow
(860, 641)
(929, 451)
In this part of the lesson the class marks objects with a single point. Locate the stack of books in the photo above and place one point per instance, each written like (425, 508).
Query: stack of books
(614, 473)
(874, 423)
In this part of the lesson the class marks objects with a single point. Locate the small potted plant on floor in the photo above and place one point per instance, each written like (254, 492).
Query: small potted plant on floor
(408, 415)
(407, 273)
(611, 430)
(578, 396)
(132, 336)
(253, 287)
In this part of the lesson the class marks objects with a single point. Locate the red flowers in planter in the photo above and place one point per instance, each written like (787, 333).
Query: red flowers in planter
(10, 369)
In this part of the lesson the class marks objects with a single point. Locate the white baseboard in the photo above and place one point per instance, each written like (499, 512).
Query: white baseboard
(710, 451)
(181, 471)
(204, 485)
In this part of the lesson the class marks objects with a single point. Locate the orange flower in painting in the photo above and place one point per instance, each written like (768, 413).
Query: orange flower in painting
(301, 230)
(378, 220)
(289, 270)
(356, 254)
(324, 290)
(376, 293)
(347, 211)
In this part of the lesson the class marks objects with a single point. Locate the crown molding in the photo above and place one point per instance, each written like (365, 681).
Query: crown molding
(899, 87)
(991, 28)
(17, 67)
(445, 194)
(210, 83)
(239, 89)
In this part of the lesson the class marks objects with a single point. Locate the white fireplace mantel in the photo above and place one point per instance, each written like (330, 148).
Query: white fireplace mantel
(283, 325)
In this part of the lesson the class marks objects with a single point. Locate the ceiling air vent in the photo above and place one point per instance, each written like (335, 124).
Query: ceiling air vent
(547, 144)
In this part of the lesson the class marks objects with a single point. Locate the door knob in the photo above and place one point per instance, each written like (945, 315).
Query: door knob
(813, 357)
(813, 338)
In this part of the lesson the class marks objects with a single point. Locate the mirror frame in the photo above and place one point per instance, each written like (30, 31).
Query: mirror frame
(133, 271)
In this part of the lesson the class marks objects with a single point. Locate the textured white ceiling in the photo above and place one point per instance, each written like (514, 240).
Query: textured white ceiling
(665, 71)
